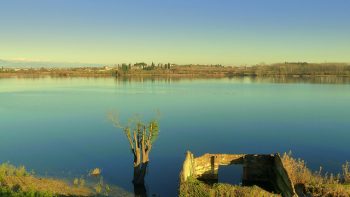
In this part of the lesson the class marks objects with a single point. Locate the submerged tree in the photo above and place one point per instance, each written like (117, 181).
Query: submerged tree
(141, 137)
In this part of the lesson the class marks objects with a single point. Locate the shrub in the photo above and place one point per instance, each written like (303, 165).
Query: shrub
(194, 188)
(7, 169)
(315, 184)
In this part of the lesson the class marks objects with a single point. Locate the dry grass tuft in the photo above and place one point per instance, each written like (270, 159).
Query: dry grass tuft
(346, 172)
(315, 183)
(6, 169)
(296, 168)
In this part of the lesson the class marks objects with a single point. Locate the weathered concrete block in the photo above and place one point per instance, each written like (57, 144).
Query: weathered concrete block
(266, 171)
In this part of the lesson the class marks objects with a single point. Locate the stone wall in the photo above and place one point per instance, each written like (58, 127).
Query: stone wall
(188, 167)
(282, 180)
(207, 166)
(266, 171)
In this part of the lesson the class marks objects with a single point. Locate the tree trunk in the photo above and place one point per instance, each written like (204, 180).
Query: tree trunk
(139, 180)
(139, 174)
(141, 150)
(140, 191)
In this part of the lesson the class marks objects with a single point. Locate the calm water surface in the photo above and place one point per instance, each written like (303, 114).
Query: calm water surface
(59, 127)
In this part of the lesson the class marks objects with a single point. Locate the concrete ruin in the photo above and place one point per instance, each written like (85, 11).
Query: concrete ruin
(265, 171)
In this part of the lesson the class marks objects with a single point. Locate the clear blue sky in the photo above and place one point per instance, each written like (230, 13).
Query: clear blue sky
(181, 31)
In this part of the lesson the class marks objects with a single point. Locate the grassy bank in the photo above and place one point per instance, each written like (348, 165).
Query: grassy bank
(17, 181)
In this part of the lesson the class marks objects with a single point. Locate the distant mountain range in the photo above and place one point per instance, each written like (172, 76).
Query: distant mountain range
(39, 64)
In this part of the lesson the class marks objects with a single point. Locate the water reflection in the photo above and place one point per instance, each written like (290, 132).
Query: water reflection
(244, 79)
(311, 80)
(237, 115)
(171, 79)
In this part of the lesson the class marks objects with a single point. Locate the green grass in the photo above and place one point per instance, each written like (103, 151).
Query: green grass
(195, 188)
(7, 192)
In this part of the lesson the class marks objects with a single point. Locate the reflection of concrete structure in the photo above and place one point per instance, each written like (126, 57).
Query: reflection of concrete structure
(266, 171)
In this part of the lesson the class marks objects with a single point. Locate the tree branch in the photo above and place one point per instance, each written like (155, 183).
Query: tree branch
(128, 135)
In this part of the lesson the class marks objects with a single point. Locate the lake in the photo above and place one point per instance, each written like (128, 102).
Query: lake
(59, 126)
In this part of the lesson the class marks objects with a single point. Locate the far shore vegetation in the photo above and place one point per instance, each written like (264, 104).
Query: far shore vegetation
(287, 69)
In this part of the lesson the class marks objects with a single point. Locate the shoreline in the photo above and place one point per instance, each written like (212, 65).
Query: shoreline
(163, 75)
(290, 70)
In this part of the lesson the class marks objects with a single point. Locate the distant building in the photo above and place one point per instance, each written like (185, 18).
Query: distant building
(107, 68)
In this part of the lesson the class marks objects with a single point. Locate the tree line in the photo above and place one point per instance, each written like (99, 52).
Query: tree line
(144, 66)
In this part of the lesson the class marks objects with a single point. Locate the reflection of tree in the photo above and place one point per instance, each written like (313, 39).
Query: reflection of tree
(141, 137)
(140, 190)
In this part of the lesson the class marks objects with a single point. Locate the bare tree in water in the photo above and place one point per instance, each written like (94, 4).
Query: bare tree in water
(141, 137)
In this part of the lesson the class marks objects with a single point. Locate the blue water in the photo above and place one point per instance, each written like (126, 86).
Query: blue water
(59, 126)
